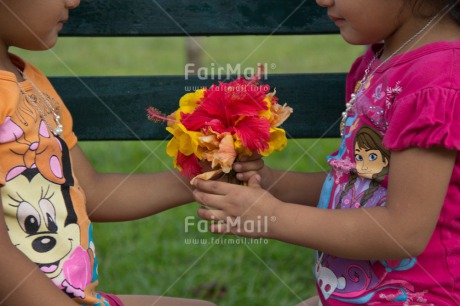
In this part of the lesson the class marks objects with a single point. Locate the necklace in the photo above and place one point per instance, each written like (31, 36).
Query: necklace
(32, 99)
(367, 74)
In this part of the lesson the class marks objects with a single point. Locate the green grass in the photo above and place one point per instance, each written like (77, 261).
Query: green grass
(151, 256)
(166, 56)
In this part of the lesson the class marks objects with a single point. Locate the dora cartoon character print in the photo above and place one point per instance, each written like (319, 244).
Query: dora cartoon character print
(372, 162)
(44, 206)
(360, 281)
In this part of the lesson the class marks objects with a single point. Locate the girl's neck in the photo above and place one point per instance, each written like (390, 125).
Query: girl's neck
(7, 65)
(443, 30)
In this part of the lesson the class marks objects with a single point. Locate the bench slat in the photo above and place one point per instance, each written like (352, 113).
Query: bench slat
(113, 108)
(197, 18)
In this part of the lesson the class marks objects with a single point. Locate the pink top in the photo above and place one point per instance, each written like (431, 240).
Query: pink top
(413, 100)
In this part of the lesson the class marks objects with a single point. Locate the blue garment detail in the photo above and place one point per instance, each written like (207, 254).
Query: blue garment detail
(96, 263)
(405, 264)
(326, 192)
(363, 300)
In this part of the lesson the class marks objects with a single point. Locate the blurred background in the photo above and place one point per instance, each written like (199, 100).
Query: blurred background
(165, 254)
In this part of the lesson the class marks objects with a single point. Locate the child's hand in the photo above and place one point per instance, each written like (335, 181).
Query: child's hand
(240, 210)
(248, 166)
(244, 168)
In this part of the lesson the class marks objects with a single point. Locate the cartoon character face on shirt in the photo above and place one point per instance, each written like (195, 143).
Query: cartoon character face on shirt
(369, 162)
(371, 158)
(43, 204)
(36, 217)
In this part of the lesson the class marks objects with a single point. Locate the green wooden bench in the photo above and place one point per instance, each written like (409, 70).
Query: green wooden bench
(113, 108)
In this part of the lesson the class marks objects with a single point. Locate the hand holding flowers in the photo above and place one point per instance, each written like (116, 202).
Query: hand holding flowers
(232, 208)
(222, 125)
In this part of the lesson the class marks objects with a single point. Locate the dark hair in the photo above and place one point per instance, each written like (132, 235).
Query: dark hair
(455, 11)
(434, 6)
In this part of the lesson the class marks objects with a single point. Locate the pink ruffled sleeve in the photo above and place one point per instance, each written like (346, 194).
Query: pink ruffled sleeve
(427, 118)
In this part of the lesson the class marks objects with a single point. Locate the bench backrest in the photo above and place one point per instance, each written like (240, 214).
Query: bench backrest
(113, 108)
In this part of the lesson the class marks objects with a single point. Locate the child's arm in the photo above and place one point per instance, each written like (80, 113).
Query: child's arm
(417, 187)
(293, 187)
(120, 197)
(21, 281)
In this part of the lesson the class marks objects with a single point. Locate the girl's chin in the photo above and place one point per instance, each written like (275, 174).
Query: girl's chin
(354, 39)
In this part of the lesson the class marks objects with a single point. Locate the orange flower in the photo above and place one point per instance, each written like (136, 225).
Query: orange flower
(279, 114)
(224, 155)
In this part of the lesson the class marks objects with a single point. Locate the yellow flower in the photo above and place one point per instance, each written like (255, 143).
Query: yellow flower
(188, 103)
(267, 113)
(240, 149)
(172, 150)
(183, 141)
(277, 141)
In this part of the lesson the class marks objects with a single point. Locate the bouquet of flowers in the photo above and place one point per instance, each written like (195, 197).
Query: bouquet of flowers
(223, 123)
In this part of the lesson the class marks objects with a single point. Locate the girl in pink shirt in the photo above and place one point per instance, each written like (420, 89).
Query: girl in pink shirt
(386, 225)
